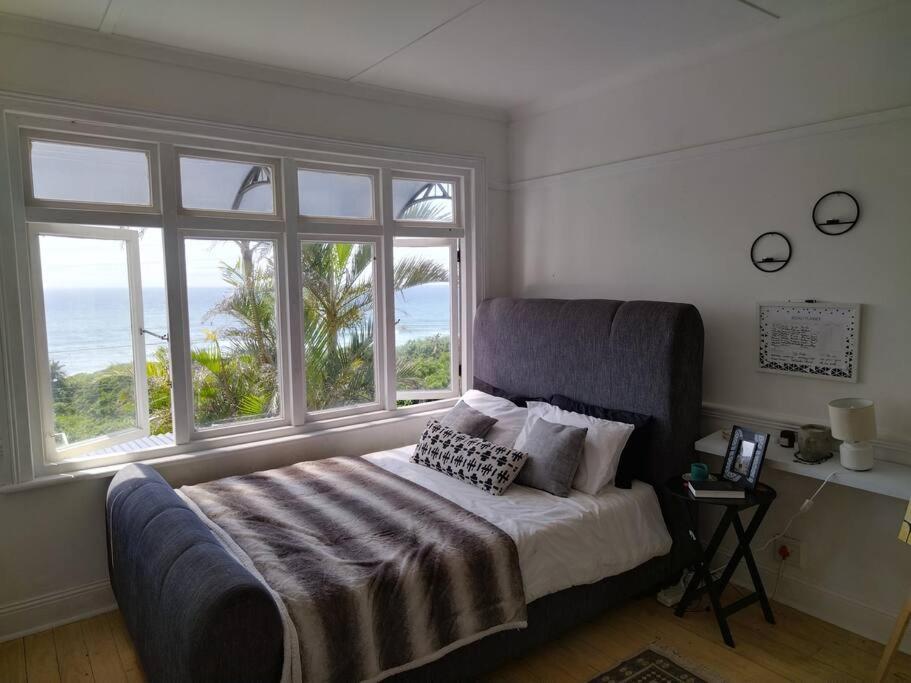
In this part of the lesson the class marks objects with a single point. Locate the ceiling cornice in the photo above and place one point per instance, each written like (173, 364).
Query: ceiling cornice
(50, 32)
(839, 11)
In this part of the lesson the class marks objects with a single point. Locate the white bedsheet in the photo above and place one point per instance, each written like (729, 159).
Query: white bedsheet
(562, 542)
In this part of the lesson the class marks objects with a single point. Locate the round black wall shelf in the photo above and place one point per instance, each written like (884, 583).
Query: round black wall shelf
(840, 202)
(777, 248)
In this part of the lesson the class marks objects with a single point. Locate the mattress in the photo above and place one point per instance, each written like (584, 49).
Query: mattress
(562, 542)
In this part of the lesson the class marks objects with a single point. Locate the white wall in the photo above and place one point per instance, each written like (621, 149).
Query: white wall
(52, 539)
(656, 191)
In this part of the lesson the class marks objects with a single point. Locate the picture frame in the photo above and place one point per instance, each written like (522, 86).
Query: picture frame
(809, 339)
(744, 457)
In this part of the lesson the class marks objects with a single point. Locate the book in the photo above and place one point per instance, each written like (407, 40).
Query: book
(715, 489)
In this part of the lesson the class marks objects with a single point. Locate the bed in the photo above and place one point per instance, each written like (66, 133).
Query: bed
(199, 613)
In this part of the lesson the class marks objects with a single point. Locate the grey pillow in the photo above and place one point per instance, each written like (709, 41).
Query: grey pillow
(554, 453)
(463, 418)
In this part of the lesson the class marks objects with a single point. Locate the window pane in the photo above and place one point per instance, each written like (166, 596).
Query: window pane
(338, 296)
(217, 185)
(90, 343)
(422, 313)
(422, 200)
(81, 173)
(231, 298)
(334, 195)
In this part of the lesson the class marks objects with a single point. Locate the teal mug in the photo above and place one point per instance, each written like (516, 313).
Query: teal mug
(699, 471)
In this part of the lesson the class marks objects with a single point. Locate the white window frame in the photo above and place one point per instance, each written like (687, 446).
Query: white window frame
(140, 385)
(458, 219)
(150, 151)
(162, 136)
(252, 425)
(316, 222)
(455, 361)
(380, 374)
(234, 158)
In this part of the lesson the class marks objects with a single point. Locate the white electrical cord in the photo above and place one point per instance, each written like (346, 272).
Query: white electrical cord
(805, 507)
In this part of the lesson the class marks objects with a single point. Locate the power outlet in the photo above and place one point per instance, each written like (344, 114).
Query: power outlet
(797, 556)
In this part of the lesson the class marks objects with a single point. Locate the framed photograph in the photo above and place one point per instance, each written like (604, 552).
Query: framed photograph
(809, 339)
(743, 459)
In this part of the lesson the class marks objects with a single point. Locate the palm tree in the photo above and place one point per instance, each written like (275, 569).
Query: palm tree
(235, 373)
(338, 318)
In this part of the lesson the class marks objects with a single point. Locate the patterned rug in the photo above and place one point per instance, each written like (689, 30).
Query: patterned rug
(655, 666)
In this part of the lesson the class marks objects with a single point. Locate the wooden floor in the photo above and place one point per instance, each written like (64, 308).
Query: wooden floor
(798, 648)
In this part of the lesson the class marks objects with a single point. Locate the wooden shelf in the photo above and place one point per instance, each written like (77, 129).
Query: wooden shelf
(886, 478)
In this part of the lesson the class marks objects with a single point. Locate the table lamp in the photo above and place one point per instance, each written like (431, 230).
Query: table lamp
(854, 423)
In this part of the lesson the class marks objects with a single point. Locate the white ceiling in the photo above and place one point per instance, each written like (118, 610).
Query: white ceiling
(502, 53)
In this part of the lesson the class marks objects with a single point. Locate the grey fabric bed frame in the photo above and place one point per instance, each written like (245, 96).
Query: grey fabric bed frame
(196, 614)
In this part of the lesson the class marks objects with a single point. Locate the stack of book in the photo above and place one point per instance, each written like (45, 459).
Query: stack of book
(715, 489)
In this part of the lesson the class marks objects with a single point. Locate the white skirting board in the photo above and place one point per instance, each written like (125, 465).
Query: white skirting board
(837, 609)
(25, 617)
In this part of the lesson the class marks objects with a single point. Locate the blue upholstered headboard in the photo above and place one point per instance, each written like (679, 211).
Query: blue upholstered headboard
(642, 356)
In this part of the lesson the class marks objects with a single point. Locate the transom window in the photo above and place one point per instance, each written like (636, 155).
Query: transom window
(330, 194)
(87, 172)
(252, 294)
(423, 200)
(226, 185)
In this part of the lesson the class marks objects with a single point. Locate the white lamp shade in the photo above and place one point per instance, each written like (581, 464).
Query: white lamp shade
(853, 419)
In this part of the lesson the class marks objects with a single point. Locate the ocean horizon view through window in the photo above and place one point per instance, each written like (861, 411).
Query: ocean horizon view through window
(190, 327)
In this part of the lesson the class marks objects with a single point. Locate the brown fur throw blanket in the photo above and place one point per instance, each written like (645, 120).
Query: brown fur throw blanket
(373, 573)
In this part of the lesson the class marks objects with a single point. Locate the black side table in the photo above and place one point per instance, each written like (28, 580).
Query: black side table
(761, 498)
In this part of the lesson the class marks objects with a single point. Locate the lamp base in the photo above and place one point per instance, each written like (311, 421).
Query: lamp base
(856, 455)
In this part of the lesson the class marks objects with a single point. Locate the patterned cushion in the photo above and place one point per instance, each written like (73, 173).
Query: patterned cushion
(488, 466)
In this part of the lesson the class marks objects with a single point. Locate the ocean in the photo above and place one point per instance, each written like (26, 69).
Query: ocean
(89, 329)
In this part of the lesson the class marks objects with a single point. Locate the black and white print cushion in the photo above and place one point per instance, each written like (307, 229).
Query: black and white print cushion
(489, 466)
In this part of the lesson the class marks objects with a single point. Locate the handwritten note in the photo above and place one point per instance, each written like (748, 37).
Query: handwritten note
(809, 339)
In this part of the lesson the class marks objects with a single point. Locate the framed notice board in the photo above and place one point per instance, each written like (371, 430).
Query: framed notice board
(809, 339)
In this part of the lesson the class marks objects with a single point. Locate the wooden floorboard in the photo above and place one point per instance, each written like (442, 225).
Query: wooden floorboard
(72, 654)
(12, 662)
(797, 648)
(41, 658)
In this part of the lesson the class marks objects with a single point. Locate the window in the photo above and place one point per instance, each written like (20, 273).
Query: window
(89, 174)
(339, 324)
(222, 297)
(422, 200)
(219, 185)
(426, 366)
(234, 341)
(103, 368)
(335, 195)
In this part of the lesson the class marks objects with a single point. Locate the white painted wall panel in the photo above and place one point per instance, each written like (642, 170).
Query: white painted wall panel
(84, 13)
(679, 227)
(682, 231)
(850, 67)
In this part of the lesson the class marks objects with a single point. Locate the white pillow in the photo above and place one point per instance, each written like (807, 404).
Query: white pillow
(510, 417)
(603, 444)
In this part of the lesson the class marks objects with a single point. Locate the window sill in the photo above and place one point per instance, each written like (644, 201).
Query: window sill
(314, 430)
